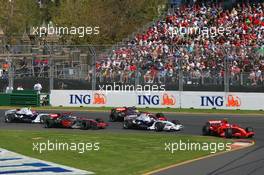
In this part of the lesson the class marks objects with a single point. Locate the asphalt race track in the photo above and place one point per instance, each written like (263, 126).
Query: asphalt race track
(248, 161)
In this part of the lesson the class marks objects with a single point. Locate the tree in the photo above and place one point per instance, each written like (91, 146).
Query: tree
(16, 16)
(116, 18)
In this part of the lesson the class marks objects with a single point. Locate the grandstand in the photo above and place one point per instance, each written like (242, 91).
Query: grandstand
(231, 61)
(158, 56)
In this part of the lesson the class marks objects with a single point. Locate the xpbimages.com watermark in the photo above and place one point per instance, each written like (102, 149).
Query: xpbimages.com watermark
(212, 147)
(132, 88)
(204, 32)
(80, 147)
(80, 31)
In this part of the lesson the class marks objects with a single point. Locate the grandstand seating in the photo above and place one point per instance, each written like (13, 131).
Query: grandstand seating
(158, 54)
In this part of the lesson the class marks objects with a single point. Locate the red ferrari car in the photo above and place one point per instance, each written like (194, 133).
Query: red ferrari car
(222, 128)
(65, 120)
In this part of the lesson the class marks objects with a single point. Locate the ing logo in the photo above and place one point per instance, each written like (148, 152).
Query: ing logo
(99, 98)
(233, 101)
(168, 100)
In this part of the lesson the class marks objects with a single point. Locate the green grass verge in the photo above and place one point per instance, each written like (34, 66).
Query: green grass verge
(168, 110)
(120, 153)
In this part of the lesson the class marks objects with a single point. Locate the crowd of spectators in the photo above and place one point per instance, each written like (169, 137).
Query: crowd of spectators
(4, 70)
(198, 43)
(24, 67)
(228, 41)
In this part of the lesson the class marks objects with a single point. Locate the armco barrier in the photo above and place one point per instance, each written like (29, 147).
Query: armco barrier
(158, 99)
(20, 98)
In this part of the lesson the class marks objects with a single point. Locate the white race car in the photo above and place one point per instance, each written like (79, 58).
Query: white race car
(25, 115)
(147, 121)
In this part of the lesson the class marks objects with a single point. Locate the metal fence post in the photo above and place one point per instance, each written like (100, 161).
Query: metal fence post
(93, 54)
(226, 73)
(94, 74)
(180, 82)
(137, 73)
(51, 77)
(180, 76)
(10, 75)
(10, 70)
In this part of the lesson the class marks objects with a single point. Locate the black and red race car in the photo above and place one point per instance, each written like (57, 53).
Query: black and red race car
(222, 128)
(66, 120)
(120, 113)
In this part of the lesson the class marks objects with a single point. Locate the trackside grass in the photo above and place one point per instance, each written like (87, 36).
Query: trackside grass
(119, 153)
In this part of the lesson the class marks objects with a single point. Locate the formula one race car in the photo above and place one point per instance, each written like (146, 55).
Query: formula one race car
(147, 121)
(118, 114)
(222, 128)
(24, 115)
(69, 121)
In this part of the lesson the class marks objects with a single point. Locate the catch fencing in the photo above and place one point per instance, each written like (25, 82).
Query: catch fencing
(176, 68)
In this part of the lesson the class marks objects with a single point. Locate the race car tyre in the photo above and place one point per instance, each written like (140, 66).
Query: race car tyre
(249, 129)
(48, 123)
(114, 117)
(111, 118)
(176, 122)
(9, 118)
(159, 126)
(43, 118)
(206, 130)
(228, 133)
(127, 124)
(86, 125)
